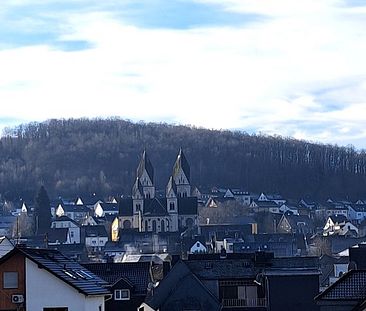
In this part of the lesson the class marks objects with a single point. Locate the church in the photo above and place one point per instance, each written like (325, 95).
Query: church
(145, 212)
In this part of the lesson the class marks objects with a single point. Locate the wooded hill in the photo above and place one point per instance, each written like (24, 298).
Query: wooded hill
(82, 156)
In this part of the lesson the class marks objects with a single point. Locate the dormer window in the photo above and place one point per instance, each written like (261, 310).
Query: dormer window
(121, 294)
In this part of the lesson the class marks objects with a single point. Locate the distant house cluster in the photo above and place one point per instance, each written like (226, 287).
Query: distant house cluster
(222, 248)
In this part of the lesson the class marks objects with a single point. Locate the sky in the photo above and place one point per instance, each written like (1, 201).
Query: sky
(275, 67)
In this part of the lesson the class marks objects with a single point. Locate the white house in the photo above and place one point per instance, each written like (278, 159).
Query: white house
(72, 226)
(5, 246)
(95, 237)
(44, 279)
(357, 212)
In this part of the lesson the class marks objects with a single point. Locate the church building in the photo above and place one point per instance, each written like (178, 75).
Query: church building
(147, 213)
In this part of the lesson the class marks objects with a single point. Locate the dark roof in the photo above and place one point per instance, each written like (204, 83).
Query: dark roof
(57, 235)
(155, 207)
(126, 207)
(178, 276)
(266, 204)
(351, 286)
(97, 230)
(338, 218)
(109, 206)
(223, 199)
(181, 163)
(62, 267)
(187, 206)
(358, 207)
(145, 164)
(221, 269)
(65, 218)
(295, 219)
(76, 208)
(136, 273)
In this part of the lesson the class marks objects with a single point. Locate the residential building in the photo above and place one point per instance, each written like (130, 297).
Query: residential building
(128, 283)
(255, 281)
(46, 280)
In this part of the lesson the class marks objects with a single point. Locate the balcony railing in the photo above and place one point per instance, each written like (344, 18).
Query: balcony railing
(239, 303)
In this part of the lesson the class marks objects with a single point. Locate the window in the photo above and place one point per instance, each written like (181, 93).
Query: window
(10, 280)
(171, 206)
(154, 225)
(122, 294)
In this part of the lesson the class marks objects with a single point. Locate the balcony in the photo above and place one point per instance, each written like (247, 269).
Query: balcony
(244, 303)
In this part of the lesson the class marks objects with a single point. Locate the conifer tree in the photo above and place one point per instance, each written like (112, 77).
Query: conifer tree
(42, 211)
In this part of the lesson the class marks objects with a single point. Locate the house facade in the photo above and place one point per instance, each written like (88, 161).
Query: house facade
(46, 280)
(255, 281)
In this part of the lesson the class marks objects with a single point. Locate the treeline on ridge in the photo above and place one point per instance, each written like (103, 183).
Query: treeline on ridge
(82, 156)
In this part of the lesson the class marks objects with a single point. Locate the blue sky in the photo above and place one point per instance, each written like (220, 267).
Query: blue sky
(284, 67)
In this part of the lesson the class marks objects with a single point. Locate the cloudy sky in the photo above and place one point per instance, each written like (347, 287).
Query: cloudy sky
(285, 67)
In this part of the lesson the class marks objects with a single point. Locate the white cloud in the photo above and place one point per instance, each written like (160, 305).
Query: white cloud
(271, 76)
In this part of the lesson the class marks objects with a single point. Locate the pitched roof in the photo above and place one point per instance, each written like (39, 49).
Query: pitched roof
(136, 273)
(181, 163)
(338, 218)
(295, 219)
(351, 286)
(65, 218)
(98, 230)
(75, 208)
(178, 276)
(266, 204)
(57, 235)
(358, 207)
(187, 206)
(126, 207)
(171, 186)
(155, 207)
(65, 269)
(145, 164)
(221, 269)
(109, 207)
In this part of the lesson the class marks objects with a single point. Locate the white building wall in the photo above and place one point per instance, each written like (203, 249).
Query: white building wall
(45, 290)
(74, 235)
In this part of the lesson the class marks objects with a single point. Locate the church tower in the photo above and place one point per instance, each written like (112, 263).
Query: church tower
(181, 175)
(142, 189)
(145, 173)
(172, 204)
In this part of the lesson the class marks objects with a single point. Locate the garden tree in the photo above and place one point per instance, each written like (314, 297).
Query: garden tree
(42, 212)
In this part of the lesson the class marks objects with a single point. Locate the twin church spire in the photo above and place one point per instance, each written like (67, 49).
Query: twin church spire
(178, 184)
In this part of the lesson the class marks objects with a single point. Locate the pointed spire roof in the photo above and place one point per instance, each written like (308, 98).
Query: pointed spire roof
(171, 186)
(137, 187)
(145, 164)
(181, 163)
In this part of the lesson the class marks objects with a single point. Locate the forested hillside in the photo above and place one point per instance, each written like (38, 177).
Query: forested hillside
(81, 156)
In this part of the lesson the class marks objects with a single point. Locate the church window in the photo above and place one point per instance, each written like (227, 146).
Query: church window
(162, 225)
(154, 225)
(171, 206)
(146, 226)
